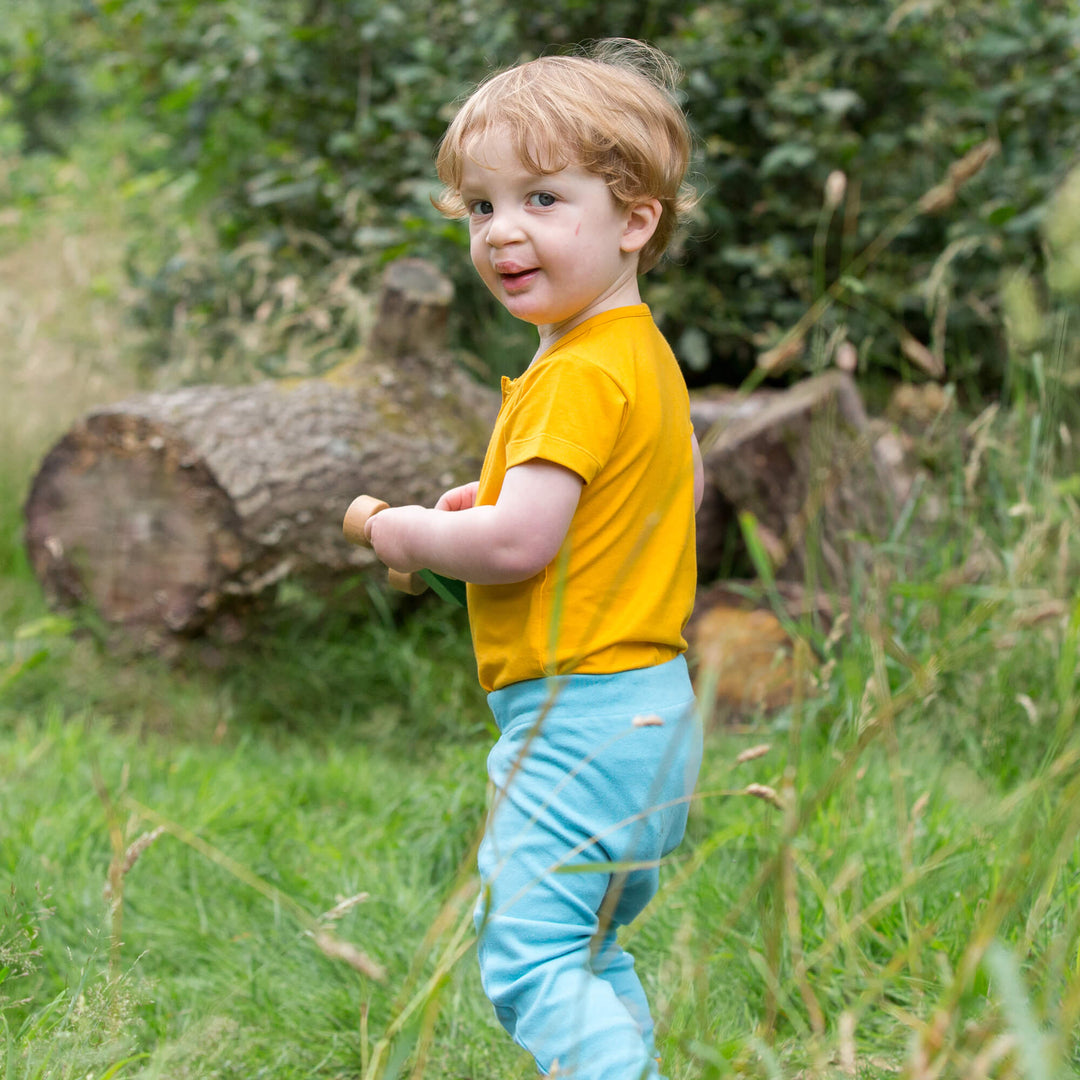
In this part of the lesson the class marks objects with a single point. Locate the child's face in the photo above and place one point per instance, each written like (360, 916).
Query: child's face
(554, 248)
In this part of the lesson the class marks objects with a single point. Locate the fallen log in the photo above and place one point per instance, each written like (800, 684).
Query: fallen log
(166, 511)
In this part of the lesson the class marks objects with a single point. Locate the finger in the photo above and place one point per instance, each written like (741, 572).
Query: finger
(451, 500)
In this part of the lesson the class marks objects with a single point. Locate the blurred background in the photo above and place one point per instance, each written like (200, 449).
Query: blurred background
(209, 191)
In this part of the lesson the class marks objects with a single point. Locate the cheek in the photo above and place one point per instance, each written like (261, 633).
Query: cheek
(478, 253)
(481, 260)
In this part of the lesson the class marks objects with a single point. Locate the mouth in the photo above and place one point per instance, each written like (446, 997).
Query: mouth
(514, 279)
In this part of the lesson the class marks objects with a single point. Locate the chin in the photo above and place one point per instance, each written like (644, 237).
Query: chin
(526, 312)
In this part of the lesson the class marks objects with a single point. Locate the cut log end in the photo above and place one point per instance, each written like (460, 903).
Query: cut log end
(122, 516)
(169, 513)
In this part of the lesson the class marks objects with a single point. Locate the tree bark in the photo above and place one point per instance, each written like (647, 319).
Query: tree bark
(807, 463)
(165, 511)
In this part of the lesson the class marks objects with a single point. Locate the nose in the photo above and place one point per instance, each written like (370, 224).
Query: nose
(504, 227)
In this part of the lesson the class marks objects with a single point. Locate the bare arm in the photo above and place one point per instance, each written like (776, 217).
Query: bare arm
(487, 545)
(699, 474)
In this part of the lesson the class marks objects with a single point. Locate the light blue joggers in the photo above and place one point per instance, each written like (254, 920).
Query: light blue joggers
(590, 770)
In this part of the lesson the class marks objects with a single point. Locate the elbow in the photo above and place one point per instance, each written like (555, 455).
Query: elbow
(515, 567)
(519, 562)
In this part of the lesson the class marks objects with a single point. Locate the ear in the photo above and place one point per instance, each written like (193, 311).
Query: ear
(641, 221)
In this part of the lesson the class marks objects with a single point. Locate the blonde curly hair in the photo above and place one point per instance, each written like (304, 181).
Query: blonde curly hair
(610, 109)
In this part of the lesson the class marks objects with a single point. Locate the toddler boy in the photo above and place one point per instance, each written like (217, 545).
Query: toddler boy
(577, 543)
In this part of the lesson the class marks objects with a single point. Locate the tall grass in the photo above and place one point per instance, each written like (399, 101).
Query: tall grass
(889, 889)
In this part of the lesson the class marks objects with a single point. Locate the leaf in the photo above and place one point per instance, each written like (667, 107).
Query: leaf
(19, 668)
(693, 349)
(1001, 214)
(999, 46)
(280, 193)
(114, 1069)
(374, 236)
(755, 547)
(840, 101)
(854, 285)
(1009, 989)
(48, 626)
(787, 157)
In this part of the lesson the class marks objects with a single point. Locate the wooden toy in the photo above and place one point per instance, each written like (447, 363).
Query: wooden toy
(360, 511)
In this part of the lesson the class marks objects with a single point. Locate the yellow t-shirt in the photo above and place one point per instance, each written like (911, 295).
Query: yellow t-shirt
(609, 402)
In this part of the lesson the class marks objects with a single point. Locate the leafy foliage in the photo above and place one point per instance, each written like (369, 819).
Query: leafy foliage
(301, 118)
(783, 94)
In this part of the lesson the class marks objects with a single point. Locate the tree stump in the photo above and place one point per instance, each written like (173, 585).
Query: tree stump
(167, 510)
(809, 466)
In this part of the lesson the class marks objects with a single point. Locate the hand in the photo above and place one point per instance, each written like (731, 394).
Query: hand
(389, 533)
(459, 498)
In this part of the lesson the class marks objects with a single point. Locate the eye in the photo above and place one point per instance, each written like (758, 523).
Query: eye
(542, 199)
(480, 208)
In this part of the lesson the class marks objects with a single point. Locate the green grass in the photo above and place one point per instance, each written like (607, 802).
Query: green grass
(204, 948)
(908, 900)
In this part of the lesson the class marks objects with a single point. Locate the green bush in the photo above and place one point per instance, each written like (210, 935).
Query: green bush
(294, 119)
(891, 95)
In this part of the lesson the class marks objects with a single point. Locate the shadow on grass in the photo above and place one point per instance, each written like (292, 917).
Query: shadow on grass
(359, 666)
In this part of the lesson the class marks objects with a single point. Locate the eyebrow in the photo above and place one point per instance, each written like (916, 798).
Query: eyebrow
(471, 192)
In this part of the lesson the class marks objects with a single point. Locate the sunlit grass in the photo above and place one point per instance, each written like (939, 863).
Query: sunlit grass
(905, 904)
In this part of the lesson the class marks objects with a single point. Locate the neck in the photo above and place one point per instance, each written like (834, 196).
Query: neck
(627, 294)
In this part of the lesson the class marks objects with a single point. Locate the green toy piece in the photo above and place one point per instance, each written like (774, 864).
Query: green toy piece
(450, 589)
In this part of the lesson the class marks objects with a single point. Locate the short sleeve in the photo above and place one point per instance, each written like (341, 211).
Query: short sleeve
(569, 412)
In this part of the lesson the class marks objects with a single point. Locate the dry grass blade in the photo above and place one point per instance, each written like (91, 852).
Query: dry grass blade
(940, 196)
(131, 856)
(343, 906)
(846, 1027)
(765, 793)
(753, 752)
(357, 959)
(921, 356)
